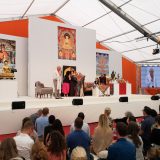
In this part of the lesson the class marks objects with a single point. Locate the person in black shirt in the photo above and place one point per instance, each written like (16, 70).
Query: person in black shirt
(48, 129)
(155, 134)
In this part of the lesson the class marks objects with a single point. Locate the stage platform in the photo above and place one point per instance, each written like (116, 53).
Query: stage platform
(10, 120)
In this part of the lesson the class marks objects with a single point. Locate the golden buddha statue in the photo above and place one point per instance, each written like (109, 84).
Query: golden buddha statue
(6, 71)
(6, 68)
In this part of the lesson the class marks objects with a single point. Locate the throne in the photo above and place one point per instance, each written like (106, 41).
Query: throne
(41, 90)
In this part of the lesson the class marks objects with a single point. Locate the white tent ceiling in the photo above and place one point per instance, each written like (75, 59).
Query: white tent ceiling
(84, 12)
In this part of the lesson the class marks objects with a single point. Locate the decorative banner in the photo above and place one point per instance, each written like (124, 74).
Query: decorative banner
(102, 66)
(7, 52)
(66, 43)
(68, 68)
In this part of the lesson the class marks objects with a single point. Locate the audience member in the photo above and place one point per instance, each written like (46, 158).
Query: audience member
(122, 149)
(153, 153)
(78, 138)
(78, 153)
(153, 113)
(42, 122)
(133, 136)
(124, 119)
(85, 126)
(131, 119)
(39, 152)
(56, 146)
(34, 136)
(155, 134)
(48, 129)
(24, 142)
(107, 113)
(8, 150)
(145, 130)
(36, 115)
(57, 126)
(102, 136)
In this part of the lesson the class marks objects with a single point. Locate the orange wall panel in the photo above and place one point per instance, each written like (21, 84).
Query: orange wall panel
(129, 73)
(100, 46)
(15, 28)
(52, 18)
(20, 27)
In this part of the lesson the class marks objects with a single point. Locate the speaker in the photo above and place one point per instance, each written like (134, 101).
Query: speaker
(77, 101)
(18, 105)
(154, 98)
(123, 99)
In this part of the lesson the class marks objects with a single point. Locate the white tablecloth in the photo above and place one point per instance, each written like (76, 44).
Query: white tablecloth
(8, 88)
(97, 92)
(116, 89)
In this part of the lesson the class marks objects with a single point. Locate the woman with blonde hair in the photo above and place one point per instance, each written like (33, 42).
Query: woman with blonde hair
(102, 136)
(78, 153)
(39, 152)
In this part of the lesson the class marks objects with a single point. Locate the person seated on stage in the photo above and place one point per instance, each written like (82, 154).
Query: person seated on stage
(80, 84)
(113, 74)
(96, 82)
(103, 79)
(6, 68)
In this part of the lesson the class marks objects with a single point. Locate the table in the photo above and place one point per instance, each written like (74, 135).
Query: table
(122, 89)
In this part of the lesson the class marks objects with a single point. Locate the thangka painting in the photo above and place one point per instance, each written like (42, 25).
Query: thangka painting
(102, 64)
(7, 52)
(66, 43)
(68, 68)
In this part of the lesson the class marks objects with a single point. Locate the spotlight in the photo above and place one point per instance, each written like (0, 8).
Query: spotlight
(155, 51)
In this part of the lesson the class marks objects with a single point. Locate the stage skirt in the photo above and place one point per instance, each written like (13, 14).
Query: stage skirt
(65, 88)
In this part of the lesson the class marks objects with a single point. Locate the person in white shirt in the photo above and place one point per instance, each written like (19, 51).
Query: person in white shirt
(24, 142)
(150, 80)
(57, 81)
(85, 126)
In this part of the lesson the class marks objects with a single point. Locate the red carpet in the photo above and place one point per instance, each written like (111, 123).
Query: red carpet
(66, 130)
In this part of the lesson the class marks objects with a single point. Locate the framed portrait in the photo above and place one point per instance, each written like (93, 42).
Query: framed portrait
(7, 52)
(102, 64)
(66, 43)
(68, 68)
